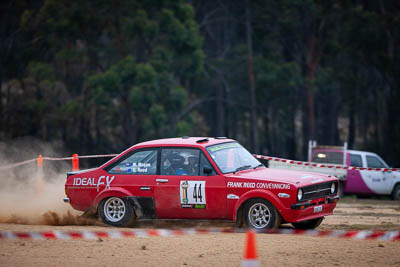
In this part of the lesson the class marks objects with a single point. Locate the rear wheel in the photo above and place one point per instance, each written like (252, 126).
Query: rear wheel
(307, 225)
(116, 211)
(396, 193)
(260, 214)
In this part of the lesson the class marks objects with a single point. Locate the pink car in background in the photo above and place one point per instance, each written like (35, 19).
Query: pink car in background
(364, 182)
(358, 182)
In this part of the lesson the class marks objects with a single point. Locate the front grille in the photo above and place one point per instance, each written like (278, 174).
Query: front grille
(317, 191)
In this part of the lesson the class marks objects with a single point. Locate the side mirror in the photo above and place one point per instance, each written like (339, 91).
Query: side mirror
(207, 170)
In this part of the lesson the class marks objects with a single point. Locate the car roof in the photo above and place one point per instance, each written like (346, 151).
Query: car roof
(188, 141)
(182, 141)
(341, 151)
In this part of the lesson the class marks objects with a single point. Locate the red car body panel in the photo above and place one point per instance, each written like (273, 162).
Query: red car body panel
(224, 193)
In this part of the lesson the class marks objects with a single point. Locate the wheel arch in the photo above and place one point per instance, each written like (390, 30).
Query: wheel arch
(114, 192)
(241, 203)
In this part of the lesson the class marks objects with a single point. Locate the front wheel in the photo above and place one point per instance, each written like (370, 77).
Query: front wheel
(340, 189)
(116, 211)
(260, 214)
(307, 225)
(396, 193)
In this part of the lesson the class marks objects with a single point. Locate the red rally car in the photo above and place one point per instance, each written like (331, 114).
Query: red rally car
(201, 179)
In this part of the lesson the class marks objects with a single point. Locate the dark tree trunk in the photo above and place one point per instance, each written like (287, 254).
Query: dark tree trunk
(291, 142)
(352, 126)
(220, 122)
(254, 141)
(312, 62)
(2, 128)
(304, 118)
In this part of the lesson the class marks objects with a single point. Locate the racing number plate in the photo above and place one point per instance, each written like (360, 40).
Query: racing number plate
(317, 209)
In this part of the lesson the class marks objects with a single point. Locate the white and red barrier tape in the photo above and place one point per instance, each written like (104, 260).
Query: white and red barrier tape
(82, 157)
(13, 165)
(288, 161)
(68, 235)
(320, 165)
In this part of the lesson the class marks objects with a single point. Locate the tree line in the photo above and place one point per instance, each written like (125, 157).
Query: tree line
(103, 75)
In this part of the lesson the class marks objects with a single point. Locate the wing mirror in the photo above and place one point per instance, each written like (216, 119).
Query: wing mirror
(207, 170)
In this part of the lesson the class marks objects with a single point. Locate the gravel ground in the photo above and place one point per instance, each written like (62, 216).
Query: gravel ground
(213, 250)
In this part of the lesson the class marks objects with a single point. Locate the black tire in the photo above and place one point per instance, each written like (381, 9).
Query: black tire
(340, 189)
(260, 214)
(307, 225)
(396, 193)
(116, 211)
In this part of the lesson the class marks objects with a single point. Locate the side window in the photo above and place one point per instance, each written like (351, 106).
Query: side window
(205, 163)
(180, 161)
(374, 162)
(355, 160)
(141, 162)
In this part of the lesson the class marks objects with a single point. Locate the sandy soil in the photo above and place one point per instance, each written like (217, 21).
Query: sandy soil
(213, 250)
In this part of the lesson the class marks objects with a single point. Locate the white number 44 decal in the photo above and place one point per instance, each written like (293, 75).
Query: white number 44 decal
(193, 192)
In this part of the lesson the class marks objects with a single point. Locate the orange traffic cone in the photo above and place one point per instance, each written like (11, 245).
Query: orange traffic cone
(75, 162)
(250, 251)
(39, 175)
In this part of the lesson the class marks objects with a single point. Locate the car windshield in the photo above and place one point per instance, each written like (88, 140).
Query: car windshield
(232, 157)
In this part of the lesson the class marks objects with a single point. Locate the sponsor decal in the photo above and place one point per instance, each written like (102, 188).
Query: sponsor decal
(193, 206)
(223, 146)
(232, 196)
(102, 180)
(193, 194)
(133, 167)
(257, 185)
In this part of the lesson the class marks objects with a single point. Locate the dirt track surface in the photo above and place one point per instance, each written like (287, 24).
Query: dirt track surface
(217, 250)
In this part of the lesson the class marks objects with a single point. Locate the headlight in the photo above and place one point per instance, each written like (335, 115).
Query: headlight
(333, 188)
(300, 194)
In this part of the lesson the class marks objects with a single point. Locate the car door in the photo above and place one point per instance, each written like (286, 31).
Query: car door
(184, 191)
(136, 173)
(355, 183)
(378, 181)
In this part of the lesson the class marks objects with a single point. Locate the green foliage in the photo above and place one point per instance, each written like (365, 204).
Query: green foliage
(40, 71)
(102, 75)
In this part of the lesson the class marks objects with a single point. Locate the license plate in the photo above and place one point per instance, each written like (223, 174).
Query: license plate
(317, 209)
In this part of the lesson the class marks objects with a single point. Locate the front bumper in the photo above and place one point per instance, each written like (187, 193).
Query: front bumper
(310, 209)
(309, 203)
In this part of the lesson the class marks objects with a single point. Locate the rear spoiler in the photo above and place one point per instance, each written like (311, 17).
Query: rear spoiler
(77, 172)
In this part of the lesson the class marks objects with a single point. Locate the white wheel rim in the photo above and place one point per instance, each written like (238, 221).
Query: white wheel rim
(259, 215)
(114, 209)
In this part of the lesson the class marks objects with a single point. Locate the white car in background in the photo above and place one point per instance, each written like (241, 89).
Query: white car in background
(358, 182)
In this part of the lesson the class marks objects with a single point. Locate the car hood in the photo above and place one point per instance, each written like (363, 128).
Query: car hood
(297, 178)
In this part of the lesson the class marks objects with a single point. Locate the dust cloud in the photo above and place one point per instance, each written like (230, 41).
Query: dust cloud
(33, 195)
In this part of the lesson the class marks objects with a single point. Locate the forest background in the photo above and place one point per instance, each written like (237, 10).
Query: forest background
(100, 76)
